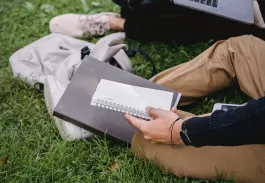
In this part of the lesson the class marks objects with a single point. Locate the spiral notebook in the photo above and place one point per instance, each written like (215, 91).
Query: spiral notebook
(130, 99)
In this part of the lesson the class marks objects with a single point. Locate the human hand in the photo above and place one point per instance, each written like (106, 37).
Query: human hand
(158, 130)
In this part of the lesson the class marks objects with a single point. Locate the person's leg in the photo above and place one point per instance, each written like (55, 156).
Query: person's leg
(237, 59)
(167, 22)
(154, 21)
(246, 164)
(162, 21)
(77, 25)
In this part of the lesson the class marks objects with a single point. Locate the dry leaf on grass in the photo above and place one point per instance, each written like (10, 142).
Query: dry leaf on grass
(114, 165)
(4, 160)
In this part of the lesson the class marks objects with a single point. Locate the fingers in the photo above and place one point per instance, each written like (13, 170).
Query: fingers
(147, 137)
(149, 111)
(174, 109)
(156, 113)
(136, 122)
(153, 113)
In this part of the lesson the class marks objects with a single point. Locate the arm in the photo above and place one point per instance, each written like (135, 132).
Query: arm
(244, 125)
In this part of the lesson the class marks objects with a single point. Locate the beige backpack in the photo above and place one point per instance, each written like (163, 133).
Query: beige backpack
(50, 62)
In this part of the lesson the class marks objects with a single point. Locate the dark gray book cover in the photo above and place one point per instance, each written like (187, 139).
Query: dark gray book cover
(75, 104)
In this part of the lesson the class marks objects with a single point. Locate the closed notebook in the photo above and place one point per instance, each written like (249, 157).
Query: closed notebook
(96, 80)
(130, 99)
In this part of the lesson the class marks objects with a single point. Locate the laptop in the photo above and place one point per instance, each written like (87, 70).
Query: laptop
(75, 104)
(238, 10)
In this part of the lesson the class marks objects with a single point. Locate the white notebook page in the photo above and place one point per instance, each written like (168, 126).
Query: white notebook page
(132, 96)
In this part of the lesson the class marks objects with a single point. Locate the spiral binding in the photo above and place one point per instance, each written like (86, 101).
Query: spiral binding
(121, 108)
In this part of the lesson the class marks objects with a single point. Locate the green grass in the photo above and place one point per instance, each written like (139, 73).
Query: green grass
(27, 133)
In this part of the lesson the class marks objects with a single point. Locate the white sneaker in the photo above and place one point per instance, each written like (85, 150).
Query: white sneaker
(75, 25)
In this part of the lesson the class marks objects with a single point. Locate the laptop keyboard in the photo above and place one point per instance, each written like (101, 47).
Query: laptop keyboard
(213, 3)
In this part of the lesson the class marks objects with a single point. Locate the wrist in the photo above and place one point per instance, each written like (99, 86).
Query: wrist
(177, 130)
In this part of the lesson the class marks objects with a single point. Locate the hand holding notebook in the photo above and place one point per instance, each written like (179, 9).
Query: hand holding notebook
(130, 99)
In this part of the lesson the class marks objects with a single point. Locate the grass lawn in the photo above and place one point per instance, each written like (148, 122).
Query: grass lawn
(28, 135)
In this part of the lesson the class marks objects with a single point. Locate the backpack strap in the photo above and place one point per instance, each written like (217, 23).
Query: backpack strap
(137, 49)
(123, 60)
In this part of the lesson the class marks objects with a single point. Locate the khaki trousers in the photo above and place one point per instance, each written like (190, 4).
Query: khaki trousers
(241, 60)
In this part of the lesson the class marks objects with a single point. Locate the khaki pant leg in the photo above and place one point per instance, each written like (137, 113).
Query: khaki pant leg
(239, 59)
(246, 164)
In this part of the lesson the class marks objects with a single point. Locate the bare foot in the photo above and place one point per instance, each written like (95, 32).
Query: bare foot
(116, 23)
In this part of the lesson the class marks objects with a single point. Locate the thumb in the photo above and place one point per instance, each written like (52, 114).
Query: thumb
(137, 123)
(174, 109)
(154, 113)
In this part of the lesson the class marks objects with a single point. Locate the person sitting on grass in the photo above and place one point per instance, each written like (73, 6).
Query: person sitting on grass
(225, 145)
(159, 21)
